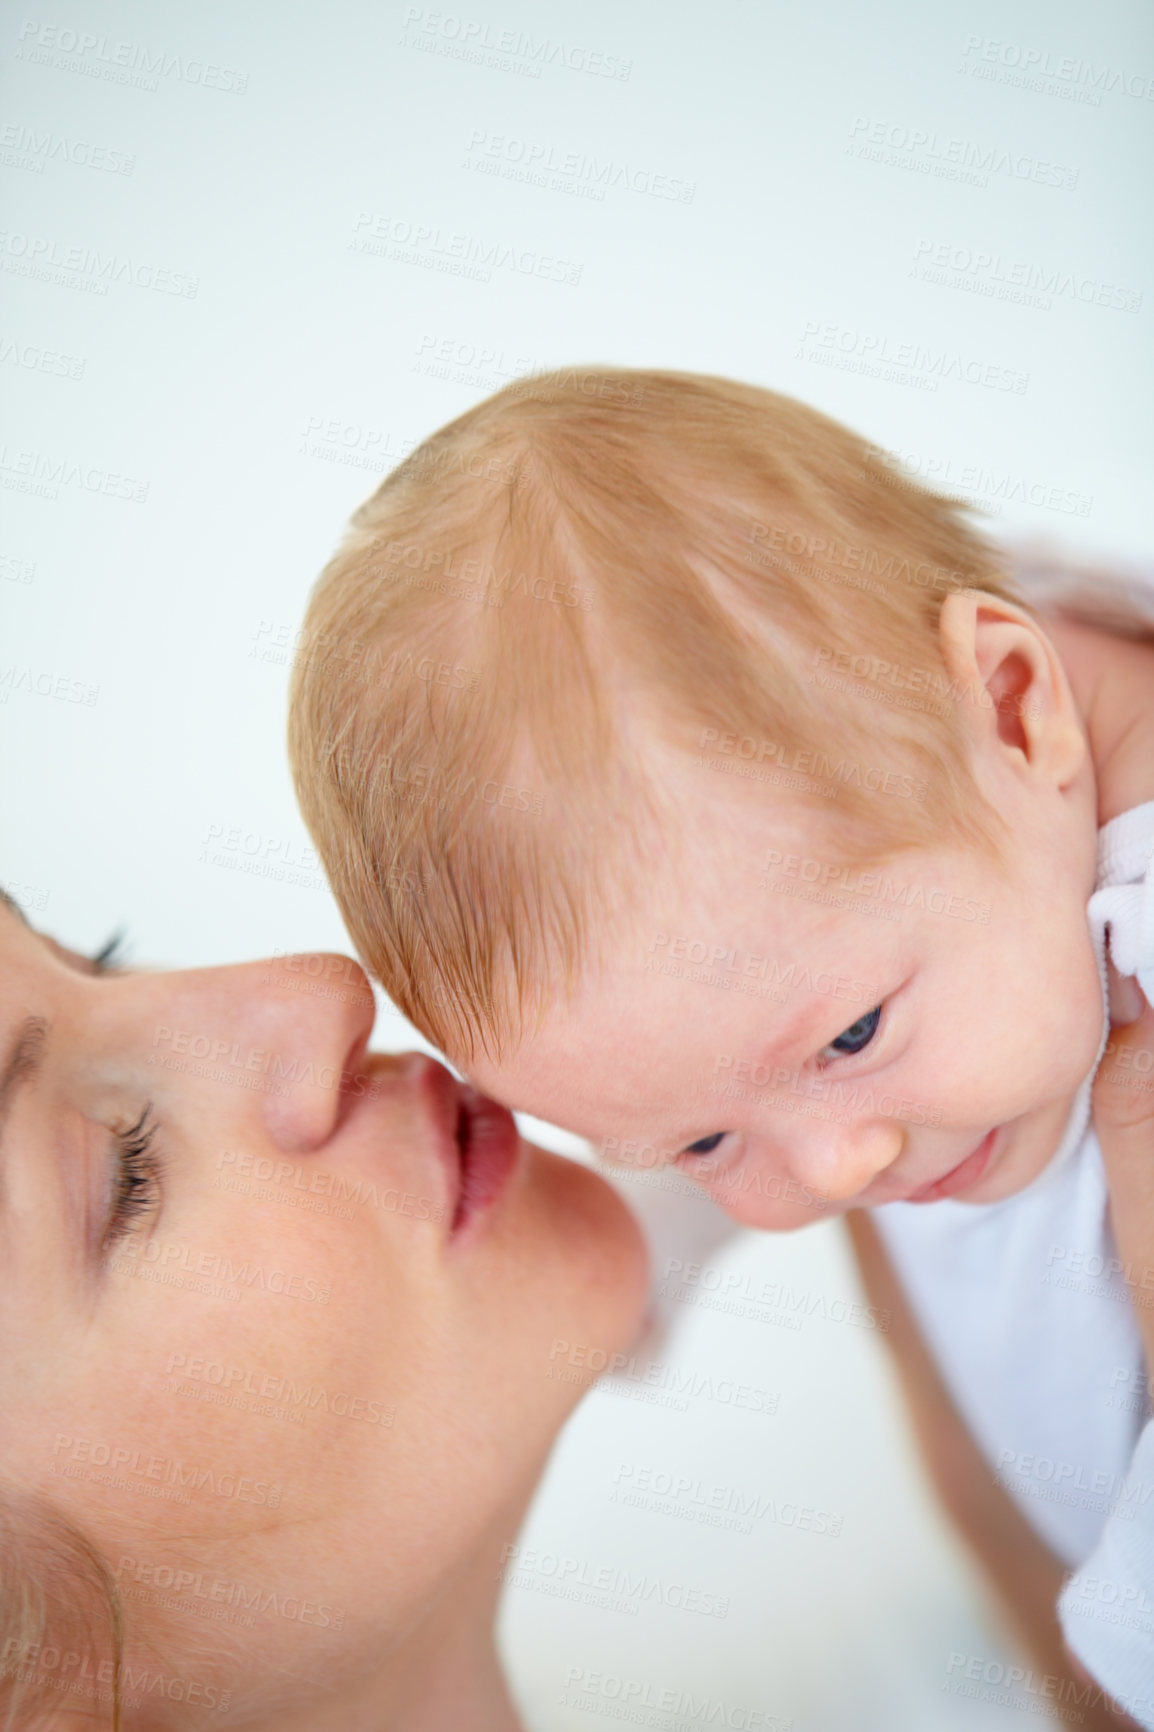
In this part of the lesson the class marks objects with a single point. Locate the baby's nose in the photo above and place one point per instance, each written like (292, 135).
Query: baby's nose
(841, 1165)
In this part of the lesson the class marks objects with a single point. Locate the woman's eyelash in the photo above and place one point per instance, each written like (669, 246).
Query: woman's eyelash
(110, 953)
(137, 1188)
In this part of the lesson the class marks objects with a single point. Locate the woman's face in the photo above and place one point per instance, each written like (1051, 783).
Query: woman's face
(277, 1313)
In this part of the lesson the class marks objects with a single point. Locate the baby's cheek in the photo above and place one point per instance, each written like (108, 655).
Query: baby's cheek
(1067, 1055)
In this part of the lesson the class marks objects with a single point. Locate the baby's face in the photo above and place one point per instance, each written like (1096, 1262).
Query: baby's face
(803, 1039)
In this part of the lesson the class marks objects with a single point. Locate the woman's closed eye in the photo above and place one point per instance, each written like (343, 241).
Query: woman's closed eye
(136, 1183)
(857, 1036)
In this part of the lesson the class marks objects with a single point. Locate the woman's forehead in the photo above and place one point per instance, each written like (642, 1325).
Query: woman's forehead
(9, 904)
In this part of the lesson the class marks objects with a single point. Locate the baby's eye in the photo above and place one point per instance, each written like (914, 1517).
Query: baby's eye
(705, 1145)
(859, 1034)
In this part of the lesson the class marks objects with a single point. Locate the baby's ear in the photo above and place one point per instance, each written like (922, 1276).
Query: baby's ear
(1007, 675)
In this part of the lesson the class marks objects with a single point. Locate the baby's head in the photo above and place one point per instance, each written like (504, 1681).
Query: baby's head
(695, 783)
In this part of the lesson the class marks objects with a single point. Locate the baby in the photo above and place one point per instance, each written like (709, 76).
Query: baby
(697, 782)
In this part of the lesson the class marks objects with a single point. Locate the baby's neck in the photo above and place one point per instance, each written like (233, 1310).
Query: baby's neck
(1112, 679)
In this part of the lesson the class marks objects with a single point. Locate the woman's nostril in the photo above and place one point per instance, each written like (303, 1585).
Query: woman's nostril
(318, 1012)
(354, 1080)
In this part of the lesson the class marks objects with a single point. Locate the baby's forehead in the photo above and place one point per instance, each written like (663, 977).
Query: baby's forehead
(792, 914)
(764, 966)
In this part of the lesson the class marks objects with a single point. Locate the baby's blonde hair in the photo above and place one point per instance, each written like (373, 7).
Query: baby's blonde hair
(582, 562)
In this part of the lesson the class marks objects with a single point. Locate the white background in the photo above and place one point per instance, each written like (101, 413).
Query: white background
(251, 414)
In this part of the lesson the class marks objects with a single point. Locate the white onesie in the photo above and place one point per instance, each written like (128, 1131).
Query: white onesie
(1026, 1308)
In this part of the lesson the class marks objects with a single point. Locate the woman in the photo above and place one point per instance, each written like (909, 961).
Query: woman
(275, 1374)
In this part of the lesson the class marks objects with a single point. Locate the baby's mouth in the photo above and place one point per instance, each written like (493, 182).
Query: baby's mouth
(960, 1178)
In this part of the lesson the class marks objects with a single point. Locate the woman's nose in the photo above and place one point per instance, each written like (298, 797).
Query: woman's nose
(289, 1033)
(839, 1161)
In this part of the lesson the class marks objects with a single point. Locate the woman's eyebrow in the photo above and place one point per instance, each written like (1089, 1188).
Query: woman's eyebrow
(25, 1057)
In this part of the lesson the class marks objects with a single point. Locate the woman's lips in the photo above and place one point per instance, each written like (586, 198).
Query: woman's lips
(488, 1143)
(961, 1177)
(477, 1143)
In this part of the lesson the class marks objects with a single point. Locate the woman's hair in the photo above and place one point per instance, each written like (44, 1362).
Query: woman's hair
(584, 561)
(61, 1626)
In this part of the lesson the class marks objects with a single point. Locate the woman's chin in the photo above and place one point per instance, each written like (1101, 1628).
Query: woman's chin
(595, 1237)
